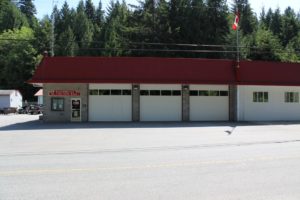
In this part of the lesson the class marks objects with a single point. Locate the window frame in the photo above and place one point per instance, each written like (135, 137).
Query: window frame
(58, 107)
(260, 97)
(291, 97)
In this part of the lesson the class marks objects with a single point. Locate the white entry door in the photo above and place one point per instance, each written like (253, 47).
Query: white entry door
(75, 109)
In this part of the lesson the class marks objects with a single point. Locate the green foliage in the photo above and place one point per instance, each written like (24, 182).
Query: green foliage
(290, 27)
(248, 21)
(10, 16)
(42, 34)
(83, 31)
(90, 11)
(266, 46)
(115, 31)
(28, 9)
(66, 44)
(17, 58)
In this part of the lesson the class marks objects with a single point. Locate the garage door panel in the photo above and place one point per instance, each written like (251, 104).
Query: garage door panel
(110, 86)
(209, 109)
(160, 108)
(160, 102)
(209, 103)
(111, 108)
(106, 103)
(208, 87)
(160, 87)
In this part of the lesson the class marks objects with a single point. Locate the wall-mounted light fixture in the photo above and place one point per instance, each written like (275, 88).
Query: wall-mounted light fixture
(185, 87)
(135, 87)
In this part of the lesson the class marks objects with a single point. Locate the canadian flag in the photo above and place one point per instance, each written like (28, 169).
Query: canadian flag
(236, 21)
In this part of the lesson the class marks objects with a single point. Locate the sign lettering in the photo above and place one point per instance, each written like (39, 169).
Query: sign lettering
(64, 93)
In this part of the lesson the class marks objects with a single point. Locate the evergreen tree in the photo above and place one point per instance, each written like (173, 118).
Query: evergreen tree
(162, 31)
(80, 7)
(267, 46)
(83, 30)
(98, 40)
(66, 44)
(276, 23)
(90, 11)
(115, 29)
(268, 19)
(290, 27)
(179, 21)
(10, 16)
(99, 15)
(198, 24)
(218, 28)
(43, 35)
(66, 19)
(27, 7)
(248, 21)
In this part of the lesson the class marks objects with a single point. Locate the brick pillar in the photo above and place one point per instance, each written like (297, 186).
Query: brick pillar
(185, 103)
(233, 100)
(135, 102)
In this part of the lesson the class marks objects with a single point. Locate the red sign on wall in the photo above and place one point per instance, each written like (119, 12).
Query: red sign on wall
(64, 93)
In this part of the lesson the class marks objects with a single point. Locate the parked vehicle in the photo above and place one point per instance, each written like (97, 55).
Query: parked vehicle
(23, 110)
(8, 110)
(35, 109)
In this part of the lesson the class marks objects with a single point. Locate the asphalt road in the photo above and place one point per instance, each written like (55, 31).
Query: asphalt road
(143, 161)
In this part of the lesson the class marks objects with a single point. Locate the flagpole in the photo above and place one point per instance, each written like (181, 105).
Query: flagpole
(237, 42)
(237, 68)
(237, 47)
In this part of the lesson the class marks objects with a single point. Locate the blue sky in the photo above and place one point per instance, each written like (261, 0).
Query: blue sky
(44, 7)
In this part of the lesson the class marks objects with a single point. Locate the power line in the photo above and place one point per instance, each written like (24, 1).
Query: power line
(252, 49)
(19, 40)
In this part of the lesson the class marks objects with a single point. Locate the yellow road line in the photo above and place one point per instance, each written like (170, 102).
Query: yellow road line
(23, 172)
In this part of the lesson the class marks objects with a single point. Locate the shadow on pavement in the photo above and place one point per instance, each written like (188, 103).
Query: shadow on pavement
(40, 125)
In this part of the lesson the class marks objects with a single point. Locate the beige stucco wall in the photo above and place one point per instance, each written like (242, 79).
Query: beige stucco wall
(65, 116)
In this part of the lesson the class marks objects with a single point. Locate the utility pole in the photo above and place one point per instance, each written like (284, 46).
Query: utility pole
(54, 2)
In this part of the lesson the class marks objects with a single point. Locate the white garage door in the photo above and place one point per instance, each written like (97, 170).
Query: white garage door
(160, 102)
(110, 102)
(209, 103)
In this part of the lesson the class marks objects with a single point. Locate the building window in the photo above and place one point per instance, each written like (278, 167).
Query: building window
(193, 92)
(154, 92)
(203, 93)
(104, 92)
(176, 93)
(144, 92)
(223, 93)
(126, 92)
(291, 97)
(214, 93)
(260, 97)
(57, 104)
(116, 92)
(94, 92)
(166, 93)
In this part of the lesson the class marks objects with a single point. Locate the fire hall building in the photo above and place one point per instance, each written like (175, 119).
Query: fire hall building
(82, 89)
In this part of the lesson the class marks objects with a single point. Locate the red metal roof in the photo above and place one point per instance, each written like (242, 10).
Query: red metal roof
(163, 70)
(133, 70)
(269, 73)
